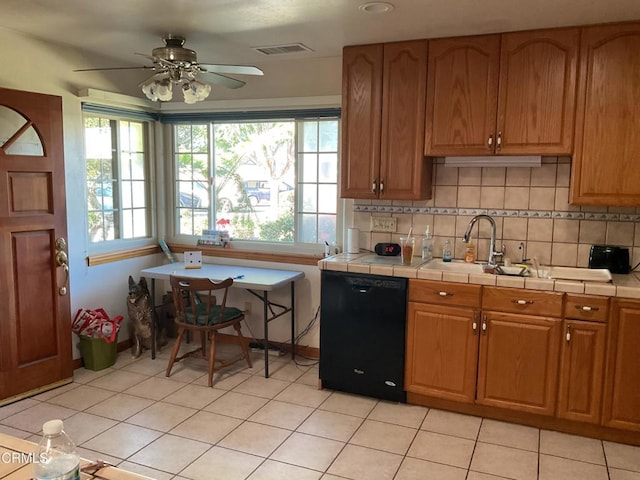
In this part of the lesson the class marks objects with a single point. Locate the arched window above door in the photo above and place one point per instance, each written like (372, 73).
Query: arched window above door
(17, 136)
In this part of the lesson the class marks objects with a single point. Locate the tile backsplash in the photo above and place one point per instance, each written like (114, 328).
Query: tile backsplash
(529, 205)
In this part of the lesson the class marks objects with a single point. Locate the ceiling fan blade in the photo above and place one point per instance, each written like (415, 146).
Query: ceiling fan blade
(161, 61)
(150, 57)
(233, 69)
(223, 80)
(144, 67)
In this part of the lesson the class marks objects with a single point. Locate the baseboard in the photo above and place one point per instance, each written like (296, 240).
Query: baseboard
(302, 350)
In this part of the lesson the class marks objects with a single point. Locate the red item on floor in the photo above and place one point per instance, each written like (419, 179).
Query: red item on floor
(96, 324)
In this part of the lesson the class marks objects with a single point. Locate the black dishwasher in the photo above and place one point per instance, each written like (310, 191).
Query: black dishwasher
(362, 334)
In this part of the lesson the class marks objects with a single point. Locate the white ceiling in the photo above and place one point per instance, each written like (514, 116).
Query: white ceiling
(223, 31)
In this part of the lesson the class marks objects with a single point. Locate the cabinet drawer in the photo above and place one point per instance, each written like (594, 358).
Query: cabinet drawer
(443, 293)
(515, 300)
(586, 307)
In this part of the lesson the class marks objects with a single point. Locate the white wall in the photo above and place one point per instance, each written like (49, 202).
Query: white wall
(36, 66)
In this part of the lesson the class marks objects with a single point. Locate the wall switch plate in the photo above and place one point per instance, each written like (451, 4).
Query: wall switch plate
(384, 224)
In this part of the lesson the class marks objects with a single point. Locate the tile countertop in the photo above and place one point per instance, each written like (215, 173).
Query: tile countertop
(16, 466)
(627, 286)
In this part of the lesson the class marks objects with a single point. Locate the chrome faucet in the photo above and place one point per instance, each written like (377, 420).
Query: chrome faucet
(491, 262)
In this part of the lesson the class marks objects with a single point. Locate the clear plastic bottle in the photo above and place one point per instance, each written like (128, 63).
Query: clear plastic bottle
(427, 245)
(446, 251)
(56, 457)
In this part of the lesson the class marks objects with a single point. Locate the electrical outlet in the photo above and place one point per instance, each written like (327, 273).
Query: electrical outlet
(247, 308)
(384, 224)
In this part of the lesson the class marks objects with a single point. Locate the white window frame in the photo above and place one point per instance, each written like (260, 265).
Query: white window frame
(250, 245)
(116, 244)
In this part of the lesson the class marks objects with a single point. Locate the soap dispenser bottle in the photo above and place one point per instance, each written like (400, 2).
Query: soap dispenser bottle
(427, 245)
(446, 251)
(470, 252)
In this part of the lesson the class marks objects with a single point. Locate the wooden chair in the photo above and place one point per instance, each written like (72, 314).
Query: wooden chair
(197, 312)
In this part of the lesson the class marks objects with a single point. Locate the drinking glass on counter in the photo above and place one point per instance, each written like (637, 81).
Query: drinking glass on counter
(407, 246)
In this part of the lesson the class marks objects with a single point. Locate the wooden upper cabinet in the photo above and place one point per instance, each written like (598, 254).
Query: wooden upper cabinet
(404, 89)
(361, 119)
(508, 94)
(605, 164)
(383, 115)
(536, 102)
(462, 95)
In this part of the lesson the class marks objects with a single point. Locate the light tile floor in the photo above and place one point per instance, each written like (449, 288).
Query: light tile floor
(249, 427)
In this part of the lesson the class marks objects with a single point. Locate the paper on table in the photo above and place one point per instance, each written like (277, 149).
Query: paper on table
(192, 259)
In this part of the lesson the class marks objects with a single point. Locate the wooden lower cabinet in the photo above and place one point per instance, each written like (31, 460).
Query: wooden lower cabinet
(442, 351)
(581, 371)
(566, 362)
(518, 362)
(622, 379)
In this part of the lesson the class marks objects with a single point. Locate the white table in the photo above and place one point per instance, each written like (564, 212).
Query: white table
(257, 281)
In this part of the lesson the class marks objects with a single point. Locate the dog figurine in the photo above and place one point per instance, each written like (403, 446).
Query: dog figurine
(140, 312)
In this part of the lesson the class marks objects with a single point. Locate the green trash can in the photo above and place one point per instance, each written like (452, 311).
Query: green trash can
(98, 354)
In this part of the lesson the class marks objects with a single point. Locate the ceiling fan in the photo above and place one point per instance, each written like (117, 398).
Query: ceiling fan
(176, 65)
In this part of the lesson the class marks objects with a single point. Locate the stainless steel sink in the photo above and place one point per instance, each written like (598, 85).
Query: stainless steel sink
(456, 266)
(575, 273)
(555, 273)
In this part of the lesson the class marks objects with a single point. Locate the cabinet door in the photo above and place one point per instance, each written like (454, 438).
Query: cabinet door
(604, 170)
(537, 92)
(442, 351)
(518, 363)
(462, 95)
(403, 172)
(361, 119)
(581, 371)
(622, 379)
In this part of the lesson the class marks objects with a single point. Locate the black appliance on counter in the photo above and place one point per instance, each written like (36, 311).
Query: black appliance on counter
(362, 334)
(615, 259)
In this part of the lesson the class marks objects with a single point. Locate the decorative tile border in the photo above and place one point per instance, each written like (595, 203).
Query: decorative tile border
(602, 216)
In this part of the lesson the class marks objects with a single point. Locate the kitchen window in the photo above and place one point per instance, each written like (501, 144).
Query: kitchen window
(117, 176)
(265, 180)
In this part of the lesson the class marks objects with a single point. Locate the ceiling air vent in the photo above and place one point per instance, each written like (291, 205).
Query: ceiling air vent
(283, 49)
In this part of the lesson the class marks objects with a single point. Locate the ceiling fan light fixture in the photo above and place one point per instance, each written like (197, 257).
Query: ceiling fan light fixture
(164, 89)
(177, 65)
(195, 91)
(159, 87)
(150, 89)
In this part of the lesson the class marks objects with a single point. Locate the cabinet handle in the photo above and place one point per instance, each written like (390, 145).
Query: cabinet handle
(522, 302)
(444, 294)
(474, 327)
(587, 308)
(373, 187)
(484, 325)
(490, 141)
(499, 141)
(381, 186)
(568, 334)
